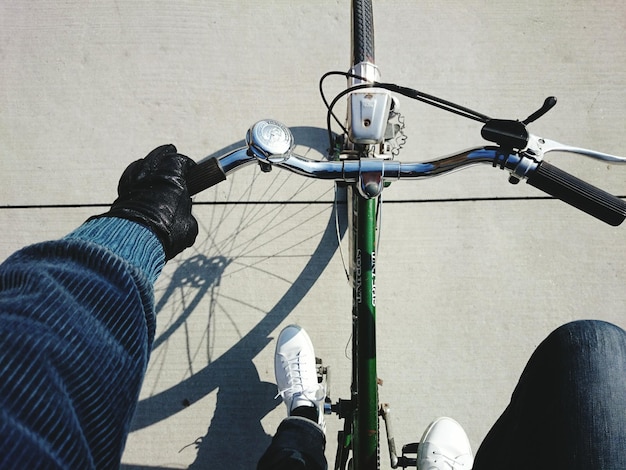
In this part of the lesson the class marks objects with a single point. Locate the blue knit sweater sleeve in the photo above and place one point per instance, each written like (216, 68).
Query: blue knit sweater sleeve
(133, 242)
(76, 324)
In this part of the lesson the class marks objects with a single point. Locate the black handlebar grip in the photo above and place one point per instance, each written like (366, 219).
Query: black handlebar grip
(578, 193)
(204, 175)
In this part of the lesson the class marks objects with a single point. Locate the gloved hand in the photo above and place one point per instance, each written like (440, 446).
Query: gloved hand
(153, 192)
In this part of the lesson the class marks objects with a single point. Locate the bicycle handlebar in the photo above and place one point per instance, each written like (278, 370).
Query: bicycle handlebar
(272, 145)
(214, 170)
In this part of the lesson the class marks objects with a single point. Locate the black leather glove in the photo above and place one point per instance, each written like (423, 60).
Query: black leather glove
(153, 192)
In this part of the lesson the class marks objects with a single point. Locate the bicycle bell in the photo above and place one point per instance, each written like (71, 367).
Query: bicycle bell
(270, 141)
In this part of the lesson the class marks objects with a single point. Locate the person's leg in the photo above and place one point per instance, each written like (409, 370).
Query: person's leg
(300, 441)
(569, 408)
(298, 444)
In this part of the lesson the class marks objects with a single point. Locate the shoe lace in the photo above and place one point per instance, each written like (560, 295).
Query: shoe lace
(451, 461)
(293, 368)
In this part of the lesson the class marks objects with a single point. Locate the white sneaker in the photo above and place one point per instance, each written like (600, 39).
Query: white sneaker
(444, 446)
(296, 372)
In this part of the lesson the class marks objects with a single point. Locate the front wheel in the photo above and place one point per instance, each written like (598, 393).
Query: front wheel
(362, 32)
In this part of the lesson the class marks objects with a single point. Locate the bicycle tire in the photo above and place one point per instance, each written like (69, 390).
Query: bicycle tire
(362, 32)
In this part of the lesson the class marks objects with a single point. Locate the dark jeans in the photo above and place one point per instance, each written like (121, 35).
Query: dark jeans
(298, 444)
(568, 410)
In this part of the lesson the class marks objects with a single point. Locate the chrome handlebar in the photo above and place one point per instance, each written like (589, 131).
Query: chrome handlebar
(352, 171)
(271, 144)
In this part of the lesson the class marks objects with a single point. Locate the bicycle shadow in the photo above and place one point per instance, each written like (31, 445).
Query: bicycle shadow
(235, 437)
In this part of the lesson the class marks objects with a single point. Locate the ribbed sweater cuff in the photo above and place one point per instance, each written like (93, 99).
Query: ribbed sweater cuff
(130, 240)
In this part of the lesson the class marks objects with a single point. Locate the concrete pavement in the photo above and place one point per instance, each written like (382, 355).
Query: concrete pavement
(466, 289)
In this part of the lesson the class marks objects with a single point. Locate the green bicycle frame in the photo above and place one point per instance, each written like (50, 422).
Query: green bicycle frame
(362, 214)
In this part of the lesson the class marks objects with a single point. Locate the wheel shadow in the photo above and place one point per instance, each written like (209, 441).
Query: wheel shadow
(235, 437)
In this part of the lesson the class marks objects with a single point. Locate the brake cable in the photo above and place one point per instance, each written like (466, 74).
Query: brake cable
(505, 132)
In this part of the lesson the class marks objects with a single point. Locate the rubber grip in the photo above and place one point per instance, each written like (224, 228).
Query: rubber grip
(578, 193)
(204, 175)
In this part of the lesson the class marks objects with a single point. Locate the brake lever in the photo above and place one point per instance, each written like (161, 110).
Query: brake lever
(538, 146)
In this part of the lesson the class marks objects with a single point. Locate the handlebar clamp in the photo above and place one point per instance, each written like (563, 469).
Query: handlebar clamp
(526, 166)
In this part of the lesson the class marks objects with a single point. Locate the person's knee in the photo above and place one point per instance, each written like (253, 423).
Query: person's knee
(588, 338)
(575, 330)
